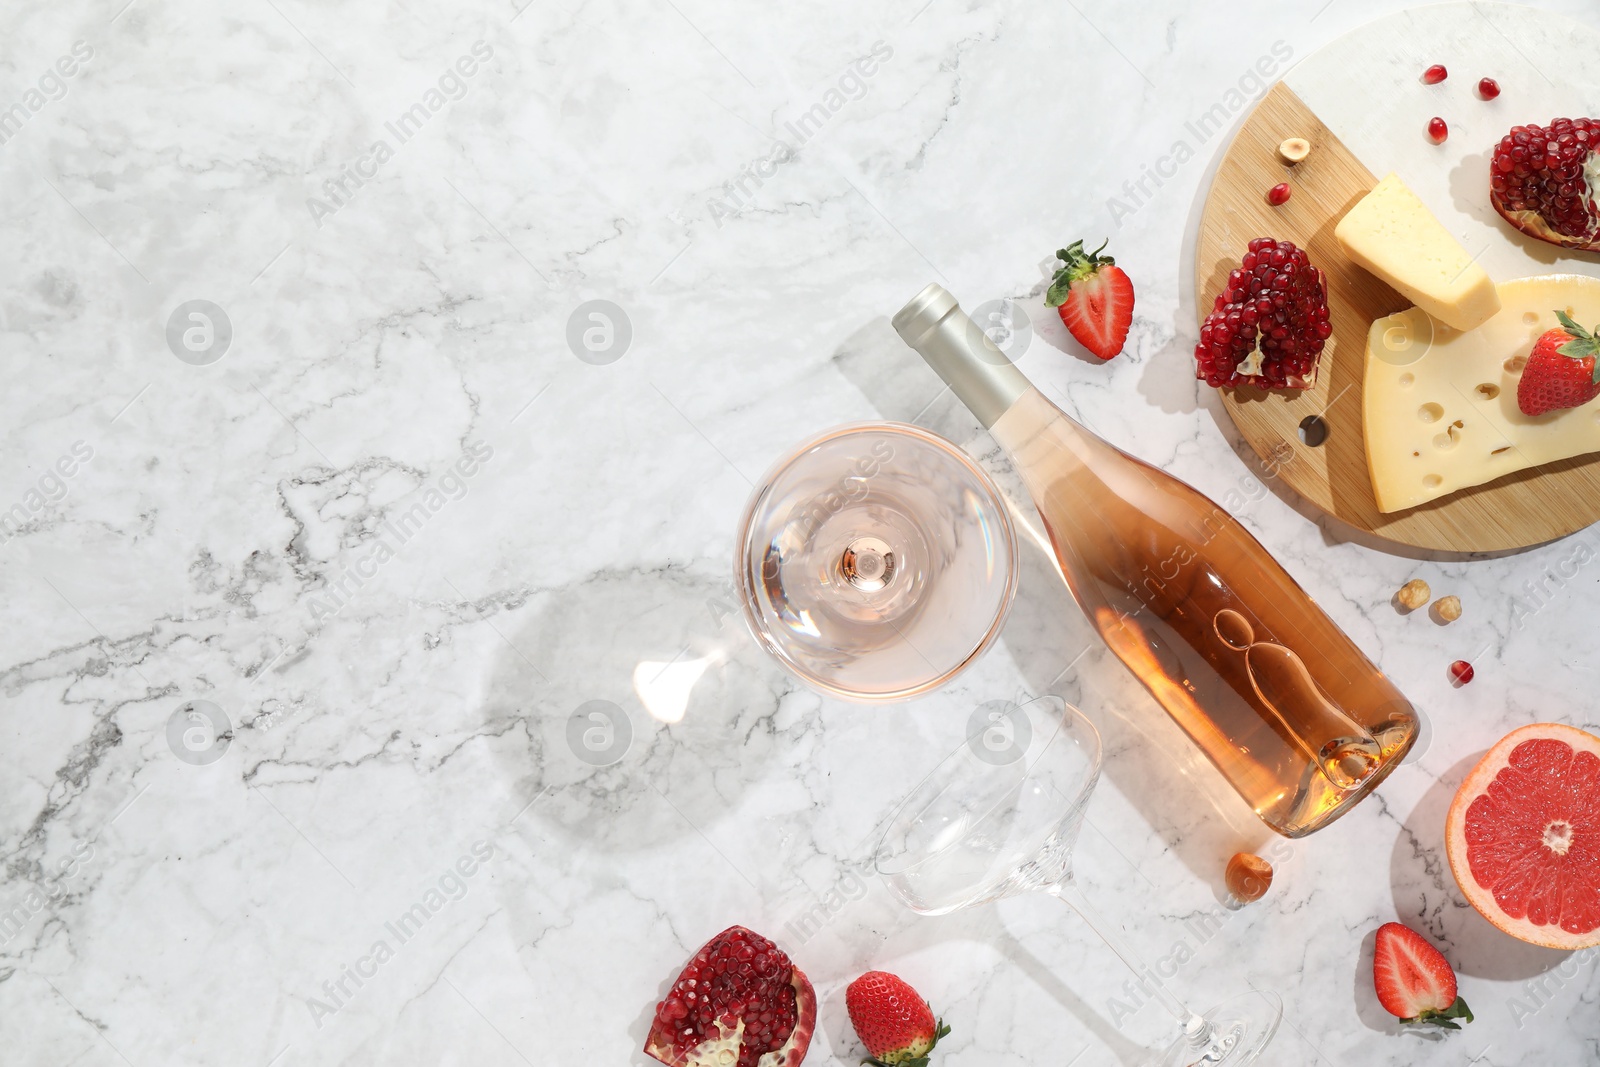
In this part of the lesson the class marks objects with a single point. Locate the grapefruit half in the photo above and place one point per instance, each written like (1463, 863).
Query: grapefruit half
(1523, 836)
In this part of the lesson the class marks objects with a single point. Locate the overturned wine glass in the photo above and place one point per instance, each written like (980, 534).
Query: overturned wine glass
(1000, 816)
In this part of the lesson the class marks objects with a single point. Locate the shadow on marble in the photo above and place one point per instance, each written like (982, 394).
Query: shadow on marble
(639, 1029)
(664, 654)
(985, 926)
(833, 1020)
(1126, 1051)
(1467, 185)
(1426, 895)
(887, 371)
(895, 381)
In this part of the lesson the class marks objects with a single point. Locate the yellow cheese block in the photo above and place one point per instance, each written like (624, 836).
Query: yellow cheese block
(1391, 234)
(1439, 406)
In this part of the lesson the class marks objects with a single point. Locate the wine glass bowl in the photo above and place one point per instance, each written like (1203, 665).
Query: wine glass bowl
(876, 561)
(999, 816)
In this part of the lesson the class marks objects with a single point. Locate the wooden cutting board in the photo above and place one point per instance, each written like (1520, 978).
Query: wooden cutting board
(1367, 85)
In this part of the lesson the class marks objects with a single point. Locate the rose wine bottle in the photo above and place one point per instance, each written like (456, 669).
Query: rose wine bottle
(1285, 705)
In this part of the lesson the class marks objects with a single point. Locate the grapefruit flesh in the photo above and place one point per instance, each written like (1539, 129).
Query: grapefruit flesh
(1523, 836)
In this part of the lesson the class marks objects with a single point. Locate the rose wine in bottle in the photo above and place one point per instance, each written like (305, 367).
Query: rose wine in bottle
(1285, 705)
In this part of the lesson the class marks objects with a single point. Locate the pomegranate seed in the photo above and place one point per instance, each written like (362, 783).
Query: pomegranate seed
(1461, 672)
(1541, 169)
(1438, 130)
(1279, 194)
(1488, 88)
(1277, 302)
(1435, 74)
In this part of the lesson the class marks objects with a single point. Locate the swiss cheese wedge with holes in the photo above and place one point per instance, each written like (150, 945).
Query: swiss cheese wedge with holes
(1439, 406)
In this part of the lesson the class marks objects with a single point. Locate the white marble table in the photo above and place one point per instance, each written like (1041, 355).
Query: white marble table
(398, 533)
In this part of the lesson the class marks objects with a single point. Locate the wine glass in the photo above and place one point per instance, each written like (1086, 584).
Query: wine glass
(1000, 817)
(876, 561)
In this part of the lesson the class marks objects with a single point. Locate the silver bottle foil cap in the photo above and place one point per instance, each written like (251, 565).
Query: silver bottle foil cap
(923, 313)
(951, 343)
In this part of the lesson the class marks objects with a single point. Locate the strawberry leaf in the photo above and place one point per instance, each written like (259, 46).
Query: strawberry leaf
(1584, 344)
(1076, 265)
(1059, 289)
(1571, 327)
(1444, 1019)
(921, 1061)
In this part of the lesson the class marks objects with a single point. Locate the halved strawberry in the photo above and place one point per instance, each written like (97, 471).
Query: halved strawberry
(1561, 370)
(1094, 297)
(1414, 981)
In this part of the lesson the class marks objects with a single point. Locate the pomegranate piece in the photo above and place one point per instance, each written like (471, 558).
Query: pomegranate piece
(1435, 74)
(1438, 130)
(740, 1002)
(1279, 194)
(1542, 181)
(1270, 322)
(1461, 672)
(1488, 88)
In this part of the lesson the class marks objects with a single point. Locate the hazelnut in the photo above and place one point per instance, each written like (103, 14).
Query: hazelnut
(1294, 150)
(1248, 877)
(1413, 594)
(1449, 608)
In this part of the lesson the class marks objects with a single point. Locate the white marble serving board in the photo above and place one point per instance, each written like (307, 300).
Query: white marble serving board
(1366, 87)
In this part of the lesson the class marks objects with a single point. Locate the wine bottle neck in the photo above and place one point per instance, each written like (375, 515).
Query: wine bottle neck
(953, 345)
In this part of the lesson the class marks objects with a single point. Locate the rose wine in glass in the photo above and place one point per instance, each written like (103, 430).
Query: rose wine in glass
(876, 562)
(1285, 705)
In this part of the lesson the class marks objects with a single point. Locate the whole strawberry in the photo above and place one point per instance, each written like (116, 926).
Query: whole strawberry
(1094, 298)
(1561, 370)
(895, 1024)
(1414, 981)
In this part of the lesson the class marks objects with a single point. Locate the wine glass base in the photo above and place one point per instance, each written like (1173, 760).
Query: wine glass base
(1241, 1028)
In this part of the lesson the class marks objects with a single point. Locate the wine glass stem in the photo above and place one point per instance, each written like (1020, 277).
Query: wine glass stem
(1195, 1028)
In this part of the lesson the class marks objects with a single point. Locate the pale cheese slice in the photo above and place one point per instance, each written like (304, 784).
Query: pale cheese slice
(1392, 233)
(1439, 406)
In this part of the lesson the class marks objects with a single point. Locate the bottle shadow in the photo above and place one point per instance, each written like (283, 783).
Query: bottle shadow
(1427, 898)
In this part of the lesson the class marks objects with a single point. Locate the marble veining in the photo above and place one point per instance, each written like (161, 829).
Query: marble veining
(304, 653)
